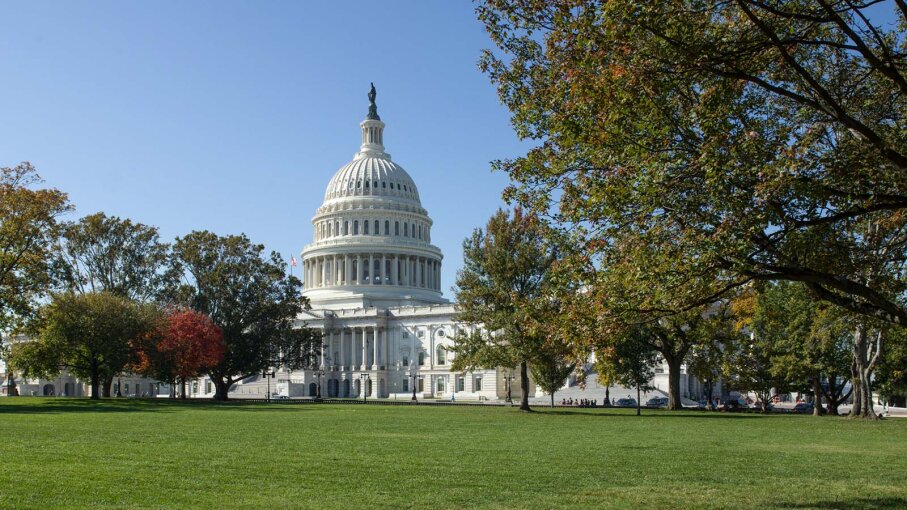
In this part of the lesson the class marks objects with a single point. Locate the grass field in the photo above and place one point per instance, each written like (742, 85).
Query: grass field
(59, 453)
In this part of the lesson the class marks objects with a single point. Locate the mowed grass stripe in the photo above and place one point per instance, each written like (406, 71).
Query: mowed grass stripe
(60, 453)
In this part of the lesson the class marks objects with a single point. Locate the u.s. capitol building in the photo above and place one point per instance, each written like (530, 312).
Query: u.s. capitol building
(373, 279)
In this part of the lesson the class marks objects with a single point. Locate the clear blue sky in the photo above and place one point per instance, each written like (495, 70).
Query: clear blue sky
(233, 116)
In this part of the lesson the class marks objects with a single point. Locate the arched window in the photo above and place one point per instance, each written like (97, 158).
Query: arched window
(376, 184)
(404, 187)
(406, 230)
(356, 228)
(366, 184)
(398, 186)
(396, 228)
(441, 355)
(383, 184)
(377, 228)
(421, 359)
(365, 227)
(346, 227)
(420, 231)
(387, 227)
(358, 184)
(337, 228)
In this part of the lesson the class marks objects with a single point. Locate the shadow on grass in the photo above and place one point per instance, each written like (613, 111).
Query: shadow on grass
(28, 405)
(879, 503)
(610, 413)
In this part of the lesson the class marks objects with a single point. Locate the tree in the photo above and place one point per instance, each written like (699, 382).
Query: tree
(706, 363)
(90, 335)
(805, 340)
(759, 140)
(501, 287)
(28, 228)
(633, 360)
(550, 369)
(891, 376)
(106, 253)
(252, 301)
(188, 345)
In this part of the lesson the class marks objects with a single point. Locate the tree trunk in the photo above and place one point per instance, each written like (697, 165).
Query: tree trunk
(607, 395)
(95, 387)
(183, 388)
(857, 394)
(221, 387)
(524, 386)
(863, 367)
(817, 396)
(709, 393)
(674, 363)
(552, 399)
(106, 387)
(637, 401)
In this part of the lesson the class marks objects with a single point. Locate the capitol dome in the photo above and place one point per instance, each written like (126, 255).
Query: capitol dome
(372, 238)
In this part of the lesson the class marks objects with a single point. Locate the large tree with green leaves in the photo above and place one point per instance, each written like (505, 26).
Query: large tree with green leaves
(754, 140)
(250, 298)
(632, 360)
(551, 367)
(502, 288)
(107, 253)
(92, 335)
(28, 228)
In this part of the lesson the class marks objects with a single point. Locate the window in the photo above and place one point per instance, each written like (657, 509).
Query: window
(420, 333)
(406, 230)
(420, 231)
(441, 333)
(366, 184)
(377, 228)
(404, 187)
(405, 334)
(346, 227)
(441, 355)
(421, 359)
(387, 227)
(440, 385)
(356, 228)
(477, 384)
(398, 186)
(396, 228)
(126, 389)
(358, 184)
(405, 360)
(365, 227)
(194, 387)
(421, 384)
(207, 386)
(461, 383)
(376, 184)
(406, 384)
(383, 184)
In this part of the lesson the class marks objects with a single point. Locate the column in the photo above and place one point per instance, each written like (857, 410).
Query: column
(383, 269)
(371, 268)
(364, 348)
(321, 347)
(394, 261)
(419, 272)
(387, 349)
(342, 362)
(358, 269)
(324, 270)
(348, 264)
(375, 350)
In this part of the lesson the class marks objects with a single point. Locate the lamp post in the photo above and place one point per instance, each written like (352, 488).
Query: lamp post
(320, 374)
(268, 376)
(413, 373)
(508, 383)
(365, 378)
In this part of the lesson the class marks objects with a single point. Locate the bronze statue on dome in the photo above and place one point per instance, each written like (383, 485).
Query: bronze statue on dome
(372, 107)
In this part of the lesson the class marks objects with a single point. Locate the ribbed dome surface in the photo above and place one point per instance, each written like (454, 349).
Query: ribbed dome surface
(372, 176)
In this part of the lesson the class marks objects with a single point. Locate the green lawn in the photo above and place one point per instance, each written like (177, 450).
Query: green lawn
(60, 453)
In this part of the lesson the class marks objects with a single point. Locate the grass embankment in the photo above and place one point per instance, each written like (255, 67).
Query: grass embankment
(59, 453)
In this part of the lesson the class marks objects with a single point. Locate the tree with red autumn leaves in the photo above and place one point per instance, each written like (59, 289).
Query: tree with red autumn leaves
(187, 344)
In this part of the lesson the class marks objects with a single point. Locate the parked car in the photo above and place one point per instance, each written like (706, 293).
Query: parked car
(758, 407)
(626, 402)
(280, 397)
(657, 402)
(804, 407)
(733, 405)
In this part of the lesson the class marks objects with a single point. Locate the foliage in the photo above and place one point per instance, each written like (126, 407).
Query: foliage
(501, 287)
(550, 369)
(188, 345)
(250, 298)
(891, 376)
(28, 228)
(106, 253)
(632, 360)
(735, 141)
(91, 335)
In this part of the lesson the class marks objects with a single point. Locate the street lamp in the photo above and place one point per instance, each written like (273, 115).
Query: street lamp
(365, 378)
(320, 374)
(268, 375)
(413, 373)
(508, 383)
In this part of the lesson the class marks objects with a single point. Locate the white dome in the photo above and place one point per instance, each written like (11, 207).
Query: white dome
(372, 243)
(372, 175)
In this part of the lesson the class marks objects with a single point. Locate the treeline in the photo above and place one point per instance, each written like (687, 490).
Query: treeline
(720, 183)
(103, 295)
